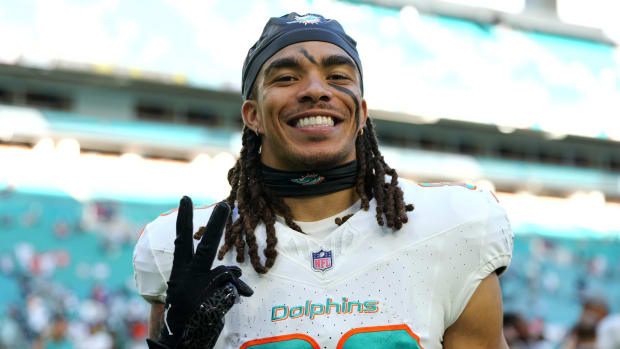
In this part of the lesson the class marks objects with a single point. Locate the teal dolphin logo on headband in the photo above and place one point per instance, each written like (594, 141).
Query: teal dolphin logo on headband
(307, 19)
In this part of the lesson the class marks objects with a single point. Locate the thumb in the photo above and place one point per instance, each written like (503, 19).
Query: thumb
(243, 288)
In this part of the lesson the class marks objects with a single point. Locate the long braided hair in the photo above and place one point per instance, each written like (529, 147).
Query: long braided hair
(255, 203)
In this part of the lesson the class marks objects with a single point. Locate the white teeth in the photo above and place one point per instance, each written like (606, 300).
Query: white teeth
(314, 121)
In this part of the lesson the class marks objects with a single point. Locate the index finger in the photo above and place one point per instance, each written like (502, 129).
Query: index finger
(207, 248)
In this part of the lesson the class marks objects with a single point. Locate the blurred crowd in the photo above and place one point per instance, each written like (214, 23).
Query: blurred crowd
(52, 317)
(38, 310)
(596, 328)
(560, 279)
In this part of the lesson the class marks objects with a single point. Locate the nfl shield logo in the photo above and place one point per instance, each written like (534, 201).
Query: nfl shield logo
(322, 260)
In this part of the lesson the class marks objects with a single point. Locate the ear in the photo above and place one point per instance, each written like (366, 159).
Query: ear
(249, 112)
(364, 115)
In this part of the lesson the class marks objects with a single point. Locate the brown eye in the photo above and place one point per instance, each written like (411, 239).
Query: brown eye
(338, 77)
(285, 78)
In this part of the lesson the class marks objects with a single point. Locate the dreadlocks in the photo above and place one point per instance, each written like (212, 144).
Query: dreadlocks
(255, 203)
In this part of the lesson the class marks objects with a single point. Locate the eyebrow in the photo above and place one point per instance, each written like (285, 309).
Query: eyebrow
(284, 62)
(333, 60)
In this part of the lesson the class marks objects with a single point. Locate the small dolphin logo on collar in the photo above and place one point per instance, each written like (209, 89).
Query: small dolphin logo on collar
(309, 179)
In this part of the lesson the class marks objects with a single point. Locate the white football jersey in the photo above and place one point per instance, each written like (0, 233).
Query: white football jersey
(608, 333)
(362, 286)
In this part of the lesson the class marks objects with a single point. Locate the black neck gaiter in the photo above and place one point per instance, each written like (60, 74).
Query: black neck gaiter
(290, 184)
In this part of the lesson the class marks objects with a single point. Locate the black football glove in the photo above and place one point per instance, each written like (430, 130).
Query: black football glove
(198, 297)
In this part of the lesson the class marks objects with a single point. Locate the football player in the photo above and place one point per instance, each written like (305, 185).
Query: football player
(323, 246)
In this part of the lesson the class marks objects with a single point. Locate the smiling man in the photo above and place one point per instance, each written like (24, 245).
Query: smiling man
(338, 258)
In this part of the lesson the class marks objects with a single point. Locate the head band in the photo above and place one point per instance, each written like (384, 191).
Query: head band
(290, 29)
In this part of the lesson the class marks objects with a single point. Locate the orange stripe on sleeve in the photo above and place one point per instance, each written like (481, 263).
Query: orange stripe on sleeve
(141, 231)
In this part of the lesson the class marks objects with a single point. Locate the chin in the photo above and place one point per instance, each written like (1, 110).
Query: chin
(321, 160)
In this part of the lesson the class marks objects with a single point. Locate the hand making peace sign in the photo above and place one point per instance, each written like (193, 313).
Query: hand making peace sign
(198, 297)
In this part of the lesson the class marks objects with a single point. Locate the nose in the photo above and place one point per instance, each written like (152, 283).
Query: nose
(315, 89)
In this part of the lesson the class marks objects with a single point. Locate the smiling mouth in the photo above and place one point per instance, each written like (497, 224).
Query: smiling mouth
(314, 121)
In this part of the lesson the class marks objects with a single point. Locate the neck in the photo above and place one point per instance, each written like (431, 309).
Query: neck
(310, 209)
(314, 195)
